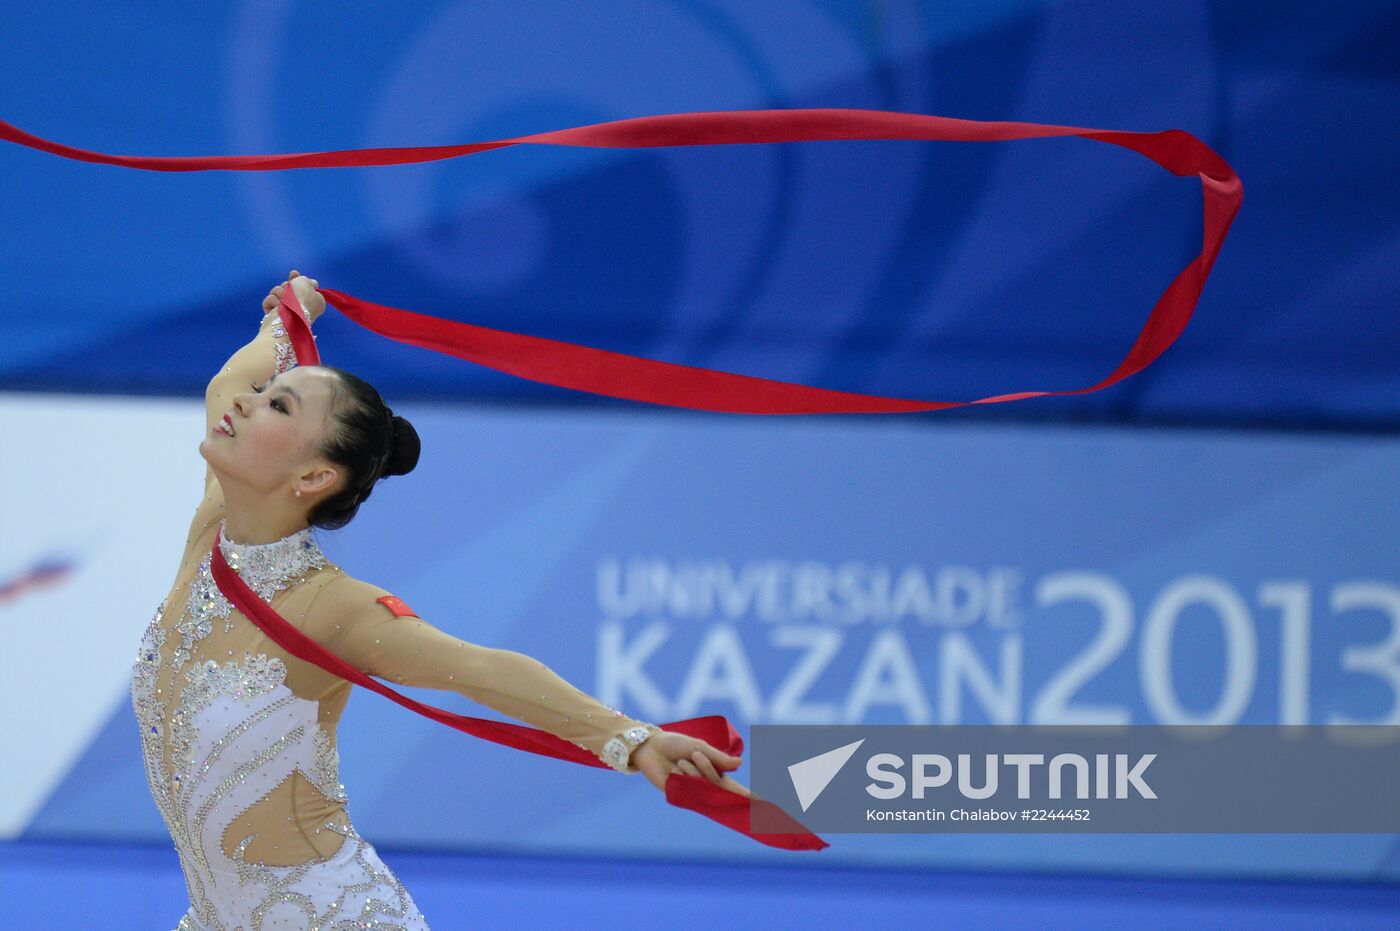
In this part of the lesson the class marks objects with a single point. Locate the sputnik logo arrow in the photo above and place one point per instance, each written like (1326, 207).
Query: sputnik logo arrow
(812, 775)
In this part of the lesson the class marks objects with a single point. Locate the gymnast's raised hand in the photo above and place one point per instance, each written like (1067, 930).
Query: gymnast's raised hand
(305, 288)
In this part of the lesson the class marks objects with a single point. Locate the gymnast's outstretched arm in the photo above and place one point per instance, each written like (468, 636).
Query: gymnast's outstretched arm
(405, 649)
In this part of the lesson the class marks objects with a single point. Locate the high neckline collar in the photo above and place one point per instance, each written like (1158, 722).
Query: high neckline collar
(295, 538)
(263, 564)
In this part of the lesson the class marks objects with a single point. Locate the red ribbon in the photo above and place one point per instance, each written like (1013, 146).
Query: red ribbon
(691, 792)
(636, 378)
(298, 330)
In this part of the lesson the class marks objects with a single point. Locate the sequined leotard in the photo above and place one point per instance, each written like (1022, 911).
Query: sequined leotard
(239, 737)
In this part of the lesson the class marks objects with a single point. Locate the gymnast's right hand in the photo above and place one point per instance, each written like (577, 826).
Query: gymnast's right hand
(667, 752)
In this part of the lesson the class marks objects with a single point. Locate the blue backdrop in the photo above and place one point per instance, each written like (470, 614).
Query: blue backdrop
(934, 270)
(632, 550)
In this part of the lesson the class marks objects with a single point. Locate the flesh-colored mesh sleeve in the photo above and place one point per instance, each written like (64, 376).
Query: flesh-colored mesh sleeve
(410, 651)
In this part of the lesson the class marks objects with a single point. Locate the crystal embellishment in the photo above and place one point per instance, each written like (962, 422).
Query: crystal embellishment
(270, 567)
(618, 749)
(286, 355)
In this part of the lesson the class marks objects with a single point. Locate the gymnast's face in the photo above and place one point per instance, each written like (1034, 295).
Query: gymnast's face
(269, 436)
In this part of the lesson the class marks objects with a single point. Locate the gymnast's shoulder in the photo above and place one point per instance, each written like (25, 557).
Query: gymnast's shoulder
(355, 600)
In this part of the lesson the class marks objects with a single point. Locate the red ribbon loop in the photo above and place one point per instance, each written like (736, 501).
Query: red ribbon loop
(652, 381)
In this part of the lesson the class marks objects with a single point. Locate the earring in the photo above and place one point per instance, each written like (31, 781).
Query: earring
(298, 492)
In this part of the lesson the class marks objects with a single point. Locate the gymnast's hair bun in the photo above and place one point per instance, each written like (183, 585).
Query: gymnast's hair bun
(404, 448)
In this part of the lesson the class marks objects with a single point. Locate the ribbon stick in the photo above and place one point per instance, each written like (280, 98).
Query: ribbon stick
(636, 378)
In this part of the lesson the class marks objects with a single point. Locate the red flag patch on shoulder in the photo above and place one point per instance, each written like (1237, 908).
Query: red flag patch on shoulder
(395, 604)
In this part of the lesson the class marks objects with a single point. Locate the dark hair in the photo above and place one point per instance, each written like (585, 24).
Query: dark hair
(368, 439)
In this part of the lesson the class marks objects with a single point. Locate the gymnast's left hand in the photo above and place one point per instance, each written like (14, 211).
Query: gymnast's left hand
(667, 752)
(311, 300)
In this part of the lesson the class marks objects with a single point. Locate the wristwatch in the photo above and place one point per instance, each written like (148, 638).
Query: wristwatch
(618, 750)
